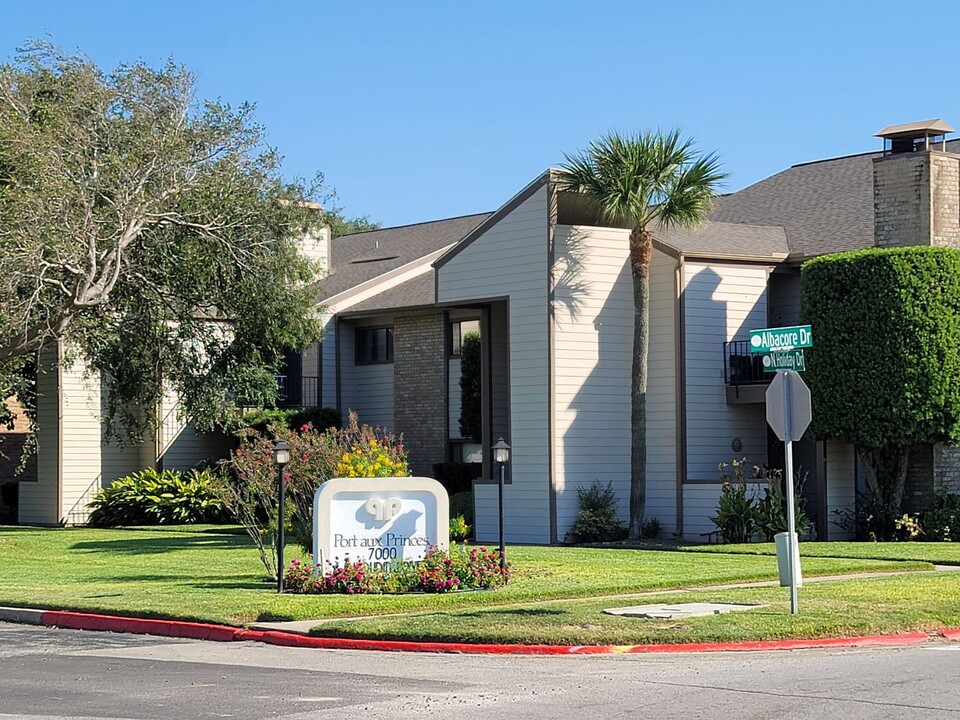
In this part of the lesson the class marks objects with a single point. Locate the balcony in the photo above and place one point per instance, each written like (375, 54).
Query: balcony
(743, 374)
(298, 391)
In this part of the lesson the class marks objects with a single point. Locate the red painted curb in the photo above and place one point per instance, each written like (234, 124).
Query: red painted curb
(225, 633)
(142, 626)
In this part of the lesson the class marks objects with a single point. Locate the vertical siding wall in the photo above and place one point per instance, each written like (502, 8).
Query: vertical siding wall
(510, 259)
(39, 501)
(179, 446)
(328, 360)
(722, 302)
(662, 394)
(367, 389)
(841, 487)
(593, 346)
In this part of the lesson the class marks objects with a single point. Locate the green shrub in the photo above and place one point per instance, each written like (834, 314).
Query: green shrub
(899, 307)
(152, 497)
(290, 418)
(462, 504)
(456, 477)
(597, 519)
(650, 528)
(943, 522)
(471, 387)
(771, 508)
(736, 512)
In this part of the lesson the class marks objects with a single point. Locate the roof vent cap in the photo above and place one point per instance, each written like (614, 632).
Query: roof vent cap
(915, 136)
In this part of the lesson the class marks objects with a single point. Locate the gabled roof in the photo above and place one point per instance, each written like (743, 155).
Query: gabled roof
(364, 256)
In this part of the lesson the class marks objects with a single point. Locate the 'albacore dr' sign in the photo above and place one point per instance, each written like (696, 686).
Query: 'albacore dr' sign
(378, 520)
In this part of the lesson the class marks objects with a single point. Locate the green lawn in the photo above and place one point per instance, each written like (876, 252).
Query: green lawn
(935, 552)
(925, 602)
(213, 574)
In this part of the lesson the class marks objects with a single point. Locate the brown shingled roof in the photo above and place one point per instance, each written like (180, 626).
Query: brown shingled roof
(824, 206)
(364, 256)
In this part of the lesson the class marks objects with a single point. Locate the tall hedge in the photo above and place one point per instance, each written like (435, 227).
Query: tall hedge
(884, 369)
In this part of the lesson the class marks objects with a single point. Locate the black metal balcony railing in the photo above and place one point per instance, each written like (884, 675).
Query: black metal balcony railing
(742, 367)
(298, 391)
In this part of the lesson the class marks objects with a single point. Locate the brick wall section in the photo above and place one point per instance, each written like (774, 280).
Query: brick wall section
(901, 200)
(945, 199)
(419, 389)
(946, 469)
(918, 488)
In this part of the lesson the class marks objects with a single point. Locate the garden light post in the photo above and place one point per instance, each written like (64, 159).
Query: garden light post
(281, 456)
(501, 455)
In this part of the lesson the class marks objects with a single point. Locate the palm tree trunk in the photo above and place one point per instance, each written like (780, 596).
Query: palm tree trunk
(641, 249)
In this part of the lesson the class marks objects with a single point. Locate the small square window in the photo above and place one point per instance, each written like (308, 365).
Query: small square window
(458, 330)
(374, 345)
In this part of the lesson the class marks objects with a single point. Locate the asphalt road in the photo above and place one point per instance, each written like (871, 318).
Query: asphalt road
(50, 673)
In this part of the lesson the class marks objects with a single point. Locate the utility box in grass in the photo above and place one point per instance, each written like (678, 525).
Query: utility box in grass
(783, 555)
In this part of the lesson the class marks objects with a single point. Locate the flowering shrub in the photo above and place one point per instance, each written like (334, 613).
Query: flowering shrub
(437, 573)
(440, 571)
(349, 578)
(907, 528)
(369, 457)
(459, 529)
(315, 457)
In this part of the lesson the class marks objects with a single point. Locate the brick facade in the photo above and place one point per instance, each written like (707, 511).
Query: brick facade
(916, 199)
(419, 388)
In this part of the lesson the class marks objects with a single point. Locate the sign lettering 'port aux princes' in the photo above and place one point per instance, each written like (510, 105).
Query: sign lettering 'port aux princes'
(379, 520)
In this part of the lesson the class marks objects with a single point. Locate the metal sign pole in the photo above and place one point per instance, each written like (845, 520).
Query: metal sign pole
(791, 521)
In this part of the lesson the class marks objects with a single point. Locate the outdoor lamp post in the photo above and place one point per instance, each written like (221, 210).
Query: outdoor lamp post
(281, 456)
(501, 455)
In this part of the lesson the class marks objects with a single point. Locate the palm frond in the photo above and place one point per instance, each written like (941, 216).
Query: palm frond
(642, 177)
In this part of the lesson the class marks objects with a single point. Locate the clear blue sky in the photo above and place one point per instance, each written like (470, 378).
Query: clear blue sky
(417, 111)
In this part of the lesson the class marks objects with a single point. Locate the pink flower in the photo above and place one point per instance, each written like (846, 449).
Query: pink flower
(304, 457)
(304, 427)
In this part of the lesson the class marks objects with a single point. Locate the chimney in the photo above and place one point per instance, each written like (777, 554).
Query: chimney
(916, 187)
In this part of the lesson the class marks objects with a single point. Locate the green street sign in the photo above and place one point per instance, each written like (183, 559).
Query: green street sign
(781, 339)
(790, 360)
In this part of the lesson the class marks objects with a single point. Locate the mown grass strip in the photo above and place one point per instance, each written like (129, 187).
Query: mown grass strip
(212, 574)
(915, 603)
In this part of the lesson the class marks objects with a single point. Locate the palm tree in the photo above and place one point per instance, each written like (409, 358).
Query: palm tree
(650, 180)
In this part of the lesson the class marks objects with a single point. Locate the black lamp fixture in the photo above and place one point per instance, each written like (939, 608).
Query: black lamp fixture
(281, 456)
(501, 455)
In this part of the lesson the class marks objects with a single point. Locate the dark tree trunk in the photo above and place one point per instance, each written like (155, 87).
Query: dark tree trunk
(641, 249)
(885, 470)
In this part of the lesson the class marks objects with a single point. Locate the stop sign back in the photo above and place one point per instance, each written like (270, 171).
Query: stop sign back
(789, 407)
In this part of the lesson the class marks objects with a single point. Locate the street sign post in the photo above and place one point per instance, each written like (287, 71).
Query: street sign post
(789, 411)
(781, 339)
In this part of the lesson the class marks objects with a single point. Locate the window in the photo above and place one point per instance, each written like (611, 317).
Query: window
(458, 330)
(374, 345)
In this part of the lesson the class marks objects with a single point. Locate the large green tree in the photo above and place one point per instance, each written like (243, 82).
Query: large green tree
(651, 180)
(150, 231)
(885, 369)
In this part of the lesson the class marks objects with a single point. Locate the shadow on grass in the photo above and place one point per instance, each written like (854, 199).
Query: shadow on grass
(511, 612)
(156, 545)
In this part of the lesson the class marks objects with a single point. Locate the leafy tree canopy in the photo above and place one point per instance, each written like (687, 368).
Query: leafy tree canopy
(149, 230)
(885, 370)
